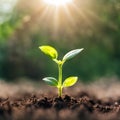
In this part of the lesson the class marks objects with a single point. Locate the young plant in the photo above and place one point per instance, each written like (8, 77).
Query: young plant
(59, 83)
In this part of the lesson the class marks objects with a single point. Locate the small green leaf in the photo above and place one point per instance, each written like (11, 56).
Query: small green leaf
(50, 51)
(72, 54)
(70, 81)
(50, 81)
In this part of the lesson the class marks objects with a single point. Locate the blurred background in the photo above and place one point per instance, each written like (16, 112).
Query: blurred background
(90, 24)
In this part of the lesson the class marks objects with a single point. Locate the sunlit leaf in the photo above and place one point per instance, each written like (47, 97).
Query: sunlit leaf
(70, 81)
(72, 54)
(50, 81)
(50, 51)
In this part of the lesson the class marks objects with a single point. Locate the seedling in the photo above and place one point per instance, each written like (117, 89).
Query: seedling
(59, 83)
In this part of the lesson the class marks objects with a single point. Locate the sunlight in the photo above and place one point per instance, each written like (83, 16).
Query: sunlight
(65, 17)
(57, 2)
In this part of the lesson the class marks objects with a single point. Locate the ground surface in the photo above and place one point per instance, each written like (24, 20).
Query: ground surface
(82, 102)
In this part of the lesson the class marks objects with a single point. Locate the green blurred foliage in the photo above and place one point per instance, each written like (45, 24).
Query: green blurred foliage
(98, 32)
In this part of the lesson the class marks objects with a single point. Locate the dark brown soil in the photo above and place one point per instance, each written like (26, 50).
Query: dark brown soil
(41, 107)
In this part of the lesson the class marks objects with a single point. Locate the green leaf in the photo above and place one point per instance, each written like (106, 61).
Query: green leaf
(72, 54)
(50, 81)
(70, 81)
(50, 51)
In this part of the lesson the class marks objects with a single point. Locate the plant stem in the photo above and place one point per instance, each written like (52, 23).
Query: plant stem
(60, 80)
(60, 91)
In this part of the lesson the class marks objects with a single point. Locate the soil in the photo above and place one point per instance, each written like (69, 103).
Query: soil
(77, 103)
(40, 107)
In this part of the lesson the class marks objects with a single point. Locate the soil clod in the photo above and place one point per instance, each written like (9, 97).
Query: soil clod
(84, 107)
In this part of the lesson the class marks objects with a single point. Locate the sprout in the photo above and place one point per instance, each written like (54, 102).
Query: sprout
(59, 83)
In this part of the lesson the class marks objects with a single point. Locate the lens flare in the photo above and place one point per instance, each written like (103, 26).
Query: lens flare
(57, 2)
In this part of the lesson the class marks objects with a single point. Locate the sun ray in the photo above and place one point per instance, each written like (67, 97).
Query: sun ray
(56, 22)
(70, 15)
(80, 13)
(44, 13)
(67, 19)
